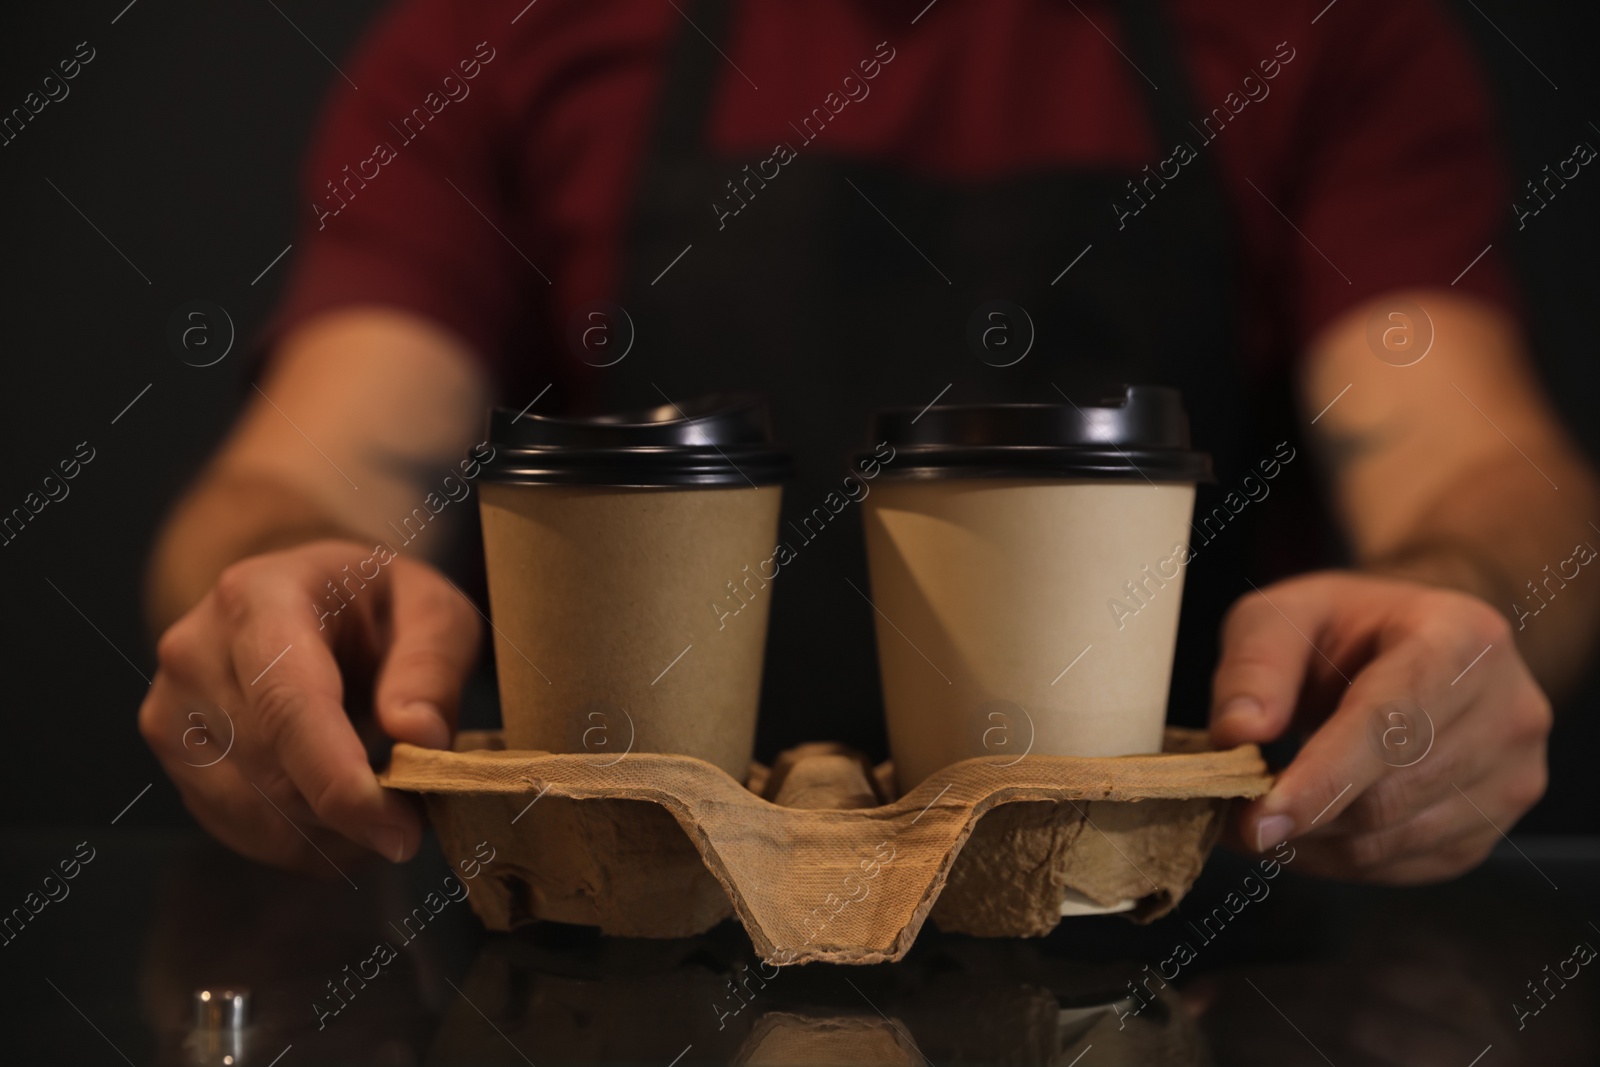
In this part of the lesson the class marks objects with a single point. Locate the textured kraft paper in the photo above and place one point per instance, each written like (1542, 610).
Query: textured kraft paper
(990, 589)
(606, 635)
(660, 845)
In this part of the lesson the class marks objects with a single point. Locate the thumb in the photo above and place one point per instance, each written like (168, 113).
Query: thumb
(1262, 669)
(433, 642)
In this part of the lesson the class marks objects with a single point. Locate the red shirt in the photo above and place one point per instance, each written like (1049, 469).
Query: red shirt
(482, 174)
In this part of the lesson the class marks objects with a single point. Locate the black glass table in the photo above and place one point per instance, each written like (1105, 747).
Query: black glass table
(389, 966)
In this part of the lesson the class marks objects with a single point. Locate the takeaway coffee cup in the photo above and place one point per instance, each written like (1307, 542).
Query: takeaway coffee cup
(1027, 565)
(605, 541)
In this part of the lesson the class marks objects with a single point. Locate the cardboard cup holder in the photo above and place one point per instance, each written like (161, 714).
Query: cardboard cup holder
(817, 856)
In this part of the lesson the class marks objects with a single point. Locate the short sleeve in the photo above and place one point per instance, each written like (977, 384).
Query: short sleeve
(1401, 184)
(402, 203)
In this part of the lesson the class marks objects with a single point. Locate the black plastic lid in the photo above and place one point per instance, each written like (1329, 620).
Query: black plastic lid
(1142, 434)
(714, 440)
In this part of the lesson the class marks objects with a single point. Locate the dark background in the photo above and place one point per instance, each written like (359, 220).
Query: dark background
(181, 141)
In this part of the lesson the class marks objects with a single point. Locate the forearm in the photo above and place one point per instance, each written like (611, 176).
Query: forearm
(1453, 469)
(225, 517)
(1505, 535)
(363, 416)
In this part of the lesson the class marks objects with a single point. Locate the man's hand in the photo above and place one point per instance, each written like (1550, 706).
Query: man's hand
(266, 669)
(1332, 652)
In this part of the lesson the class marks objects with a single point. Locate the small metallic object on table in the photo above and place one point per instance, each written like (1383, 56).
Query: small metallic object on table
(221, 1021)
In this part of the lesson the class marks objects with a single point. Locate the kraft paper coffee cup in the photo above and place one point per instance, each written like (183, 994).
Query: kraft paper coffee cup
(1027, 567)
(625, 589)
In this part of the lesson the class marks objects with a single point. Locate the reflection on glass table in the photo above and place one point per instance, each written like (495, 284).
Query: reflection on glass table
(389, 966)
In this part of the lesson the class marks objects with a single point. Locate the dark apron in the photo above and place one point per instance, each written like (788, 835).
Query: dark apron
(809, 295)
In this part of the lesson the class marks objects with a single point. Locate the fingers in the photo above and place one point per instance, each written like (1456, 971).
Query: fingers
(249, 810)
(255, 820)
(1337, 765)
(1263, 667)
(1404, 854)
(248, 712)
(1450, 819)
(1344, 782)
(293, 702)
(434, 636)
(1439, 863)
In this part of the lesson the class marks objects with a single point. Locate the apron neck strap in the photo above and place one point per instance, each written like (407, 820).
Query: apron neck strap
(693, 71)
